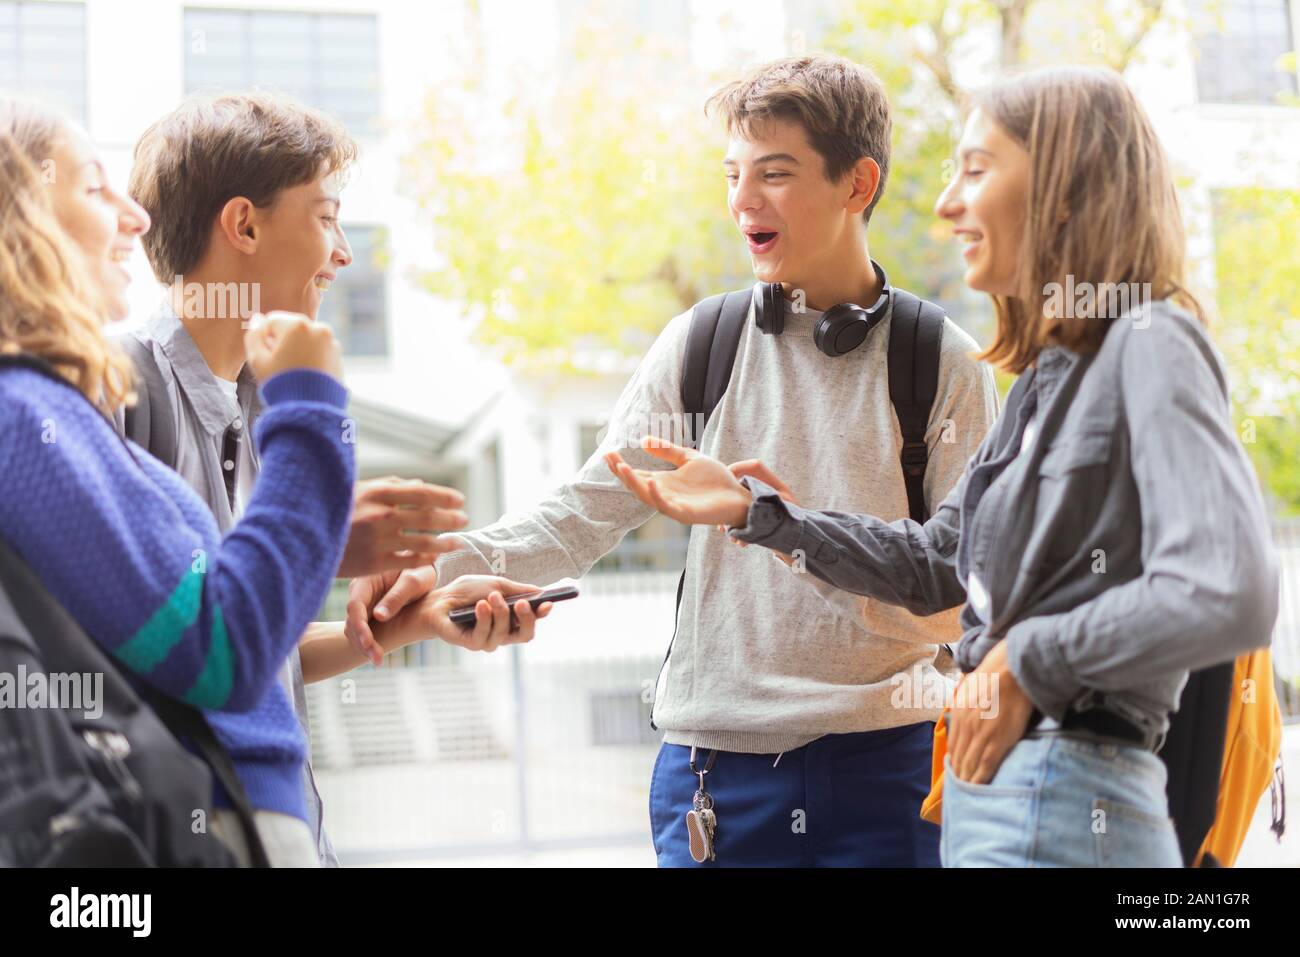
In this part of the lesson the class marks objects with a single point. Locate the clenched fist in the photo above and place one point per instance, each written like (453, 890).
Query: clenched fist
(289, 340)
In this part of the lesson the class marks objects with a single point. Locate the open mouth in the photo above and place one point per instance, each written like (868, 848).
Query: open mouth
(118, 258)
(322, 283)
(970, 242)
(761, 240)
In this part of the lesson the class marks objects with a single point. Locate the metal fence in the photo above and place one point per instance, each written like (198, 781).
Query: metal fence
(445, 752)
(531, 748)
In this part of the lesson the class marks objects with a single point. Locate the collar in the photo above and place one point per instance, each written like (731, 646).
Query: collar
(195, 379)
(1052, 366)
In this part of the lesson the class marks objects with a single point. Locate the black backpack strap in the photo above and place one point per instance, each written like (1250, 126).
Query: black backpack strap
(915, 333)
(188, 724)
(1193, 755)
(151, 422)
(711, 344)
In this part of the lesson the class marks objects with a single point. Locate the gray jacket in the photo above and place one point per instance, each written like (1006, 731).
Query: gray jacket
(1110, 528)
(204, 419)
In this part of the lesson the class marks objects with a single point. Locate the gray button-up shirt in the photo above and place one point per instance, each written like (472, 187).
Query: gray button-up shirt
(1124, 543)
(209, 426)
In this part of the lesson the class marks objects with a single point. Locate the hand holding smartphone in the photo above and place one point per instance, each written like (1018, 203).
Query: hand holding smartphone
(561, 592)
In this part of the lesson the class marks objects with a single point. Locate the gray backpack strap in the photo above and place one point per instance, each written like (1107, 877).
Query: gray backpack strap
(151, 422)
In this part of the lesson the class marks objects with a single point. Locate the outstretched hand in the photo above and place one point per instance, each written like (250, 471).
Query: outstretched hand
(699, 490)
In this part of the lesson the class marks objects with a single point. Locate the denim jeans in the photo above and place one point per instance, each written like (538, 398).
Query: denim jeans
(1062, 801)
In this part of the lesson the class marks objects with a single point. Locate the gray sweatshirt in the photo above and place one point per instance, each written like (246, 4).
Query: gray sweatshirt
(767, 659)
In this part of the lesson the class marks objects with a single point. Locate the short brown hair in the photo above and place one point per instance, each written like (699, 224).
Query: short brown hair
(209, 150)
(1100, 207)
(840, 104)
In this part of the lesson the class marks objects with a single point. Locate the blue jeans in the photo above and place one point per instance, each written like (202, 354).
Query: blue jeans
(844, 800)
(1060, 801)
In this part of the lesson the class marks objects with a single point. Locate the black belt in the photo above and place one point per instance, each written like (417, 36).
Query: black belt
(1105, 723)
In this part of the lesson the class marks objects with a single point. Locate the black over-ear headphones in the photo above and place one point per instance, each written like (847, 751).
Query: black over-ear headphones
(840, 330)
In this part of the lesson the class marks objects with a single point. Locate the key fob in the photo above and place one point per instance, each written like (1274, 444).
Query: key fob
(698, 832)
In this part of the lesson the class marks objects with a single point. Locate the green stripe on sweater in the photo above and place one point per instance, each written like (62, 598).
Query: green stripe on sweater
(149, 646)
(212, 688)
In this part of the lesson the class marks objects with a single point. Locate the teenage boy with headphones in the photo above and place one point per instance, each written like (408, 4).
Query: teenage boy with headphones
(797, 719)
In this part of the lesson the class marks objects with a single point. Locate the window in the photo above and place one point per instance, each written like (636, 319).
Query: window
(356, 306)
(1239, 49)
(43, 53)
(658, 545)
(330, 61)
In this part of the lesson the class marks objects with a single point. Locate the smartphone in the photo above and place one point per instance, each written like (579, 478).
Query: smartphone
(465, 617)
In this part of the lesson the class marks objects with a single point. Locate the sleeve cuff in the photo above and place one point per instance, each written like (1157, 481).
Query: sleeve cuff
(304, 385)
(770, 522)
(1034, 658)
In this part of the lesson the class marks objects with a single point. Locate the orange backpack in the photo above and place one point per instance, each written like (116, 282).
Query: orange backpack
(1250, 755)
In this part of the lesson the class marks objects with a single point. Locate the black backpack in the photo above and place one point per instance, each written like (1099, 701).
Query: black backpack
(119, 789)
(1193, 756)
(915, 334)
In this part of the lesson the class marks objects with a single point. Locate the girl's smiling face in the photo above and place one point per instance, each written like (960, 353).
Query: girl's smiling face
(102, 222)
(986, 203)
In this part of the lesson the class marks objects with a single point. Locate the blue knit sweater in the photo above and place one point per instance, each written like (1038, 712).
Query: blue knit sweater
(135, 557)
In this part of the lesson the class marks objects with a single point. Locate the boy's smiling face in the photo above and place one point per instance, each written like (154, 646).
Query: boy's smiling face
(792, 217)
(301, 246)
